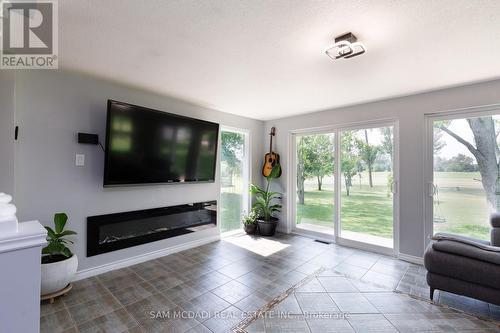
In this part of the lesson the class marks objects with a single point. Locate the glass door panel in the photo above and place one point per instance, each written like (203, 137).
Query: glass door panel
(465, 175)
(315, 183)
(367, 209)
(234, 179)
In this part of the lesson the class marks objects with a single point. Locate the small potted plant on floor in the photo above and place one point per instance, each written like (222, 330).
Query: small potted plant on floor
(250, 222)
(266, 204)
(59, 264)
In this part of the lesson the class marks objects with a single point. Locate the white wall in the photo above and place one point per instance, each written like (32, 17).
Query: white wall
(7, 85)
(51, 107)
(409, 111)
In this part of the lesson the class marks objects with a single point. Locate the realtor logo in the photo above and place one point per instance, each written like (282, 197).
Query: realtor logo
(29, 34)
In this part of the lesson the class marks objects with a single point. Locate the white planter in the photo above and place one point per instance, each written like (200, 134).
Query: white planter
(57, 275)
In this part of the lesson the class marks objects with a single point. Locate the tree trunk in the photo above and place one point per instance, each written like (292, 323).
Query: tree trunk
(483, 129)
(370, 179)
(347, 185)
(320, 182)
(300, 183)
(370, 167)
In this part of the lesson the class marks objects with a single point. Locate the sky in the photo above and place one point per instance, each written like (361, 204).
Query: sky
(453, 147)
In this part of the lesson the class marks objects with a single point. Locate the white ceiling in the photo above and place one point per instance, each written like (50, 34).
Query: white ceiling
(264, 58)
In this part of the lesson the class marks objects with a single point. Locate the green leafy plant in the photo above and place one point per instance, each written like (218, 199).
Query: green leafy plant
(250, 218)
(57, 238)
(266, 201)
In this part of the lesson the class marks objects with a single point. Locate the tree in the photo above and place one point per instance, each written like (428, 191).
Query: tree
(350, 160)
(368, 154)
(458, 163)
(301, 176)
(315, 158)
(387, 143)
(438, 140)
(319, 157)
(486, 153)
(232, 151)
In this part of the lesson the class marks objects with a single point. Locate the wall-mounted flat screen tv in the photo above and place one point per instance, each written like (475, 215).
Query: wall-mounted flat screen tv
(145, 146)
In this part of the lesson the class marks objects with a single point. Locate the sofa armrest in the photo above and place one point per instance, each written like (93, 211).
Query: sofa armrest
(467, 250)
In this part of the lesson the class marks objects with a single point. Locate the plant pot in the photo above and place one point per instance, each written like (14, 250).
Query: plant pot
(267, 228)
(57, 275)
(250, 228)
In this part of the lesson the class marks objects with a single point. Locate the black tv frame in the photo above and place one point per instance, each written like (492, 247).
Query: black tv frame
(146, 109)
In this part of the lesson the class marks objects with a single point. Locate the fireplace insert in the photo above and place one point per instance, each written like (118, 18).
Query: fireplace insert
(106, 233)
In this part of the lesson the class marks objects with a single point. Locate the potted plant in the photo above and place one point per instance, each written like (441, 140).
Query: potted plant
(250, 222)
(59, 264)
(266, 204)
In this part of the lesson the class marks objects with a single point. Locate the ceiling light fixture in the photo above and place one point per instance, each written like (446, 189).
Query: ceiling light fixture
(346, 46)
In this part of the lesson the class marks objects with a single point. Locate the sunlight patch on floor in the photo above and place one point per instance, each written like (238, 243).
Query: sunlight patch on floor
(256, 244)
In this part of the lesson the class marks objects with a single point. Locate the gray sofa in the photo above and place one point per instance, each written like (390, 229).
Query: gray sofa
(465, 266)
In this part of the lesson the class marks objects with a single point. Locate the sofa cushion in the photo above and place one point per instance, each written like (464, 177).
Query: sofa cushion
(462, 268)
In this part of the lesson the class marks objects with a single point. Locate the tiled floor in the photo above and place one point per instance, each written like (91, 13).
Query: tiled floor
(317, 305)
(215, 285)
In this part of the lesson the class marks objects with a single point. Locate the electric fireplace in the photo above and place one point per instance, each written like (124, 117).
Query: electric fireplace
(106, 233)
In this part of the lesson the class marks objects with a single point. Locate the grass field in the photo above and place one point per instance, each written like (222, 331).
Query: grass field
(462, 205)
(230, 204)
(230, 211)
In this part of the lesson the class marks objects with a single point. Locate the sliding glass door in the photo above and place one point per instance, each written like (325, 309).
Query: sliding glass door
(352, 201)
(315, 182)
(464, 182)
(234, 178)
(367, 185)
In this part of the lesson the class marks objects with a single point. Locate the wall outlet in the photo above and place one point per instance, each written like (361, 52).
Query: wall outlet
(80, 160)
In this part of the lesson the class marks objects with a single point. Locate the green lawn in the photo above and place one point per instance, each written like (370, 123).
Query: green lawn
(367, 210)
(230, 211)
(462, 206)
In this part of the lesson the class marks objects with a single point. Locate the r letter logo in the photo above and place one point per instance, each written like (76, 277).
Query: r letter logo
(29, 35)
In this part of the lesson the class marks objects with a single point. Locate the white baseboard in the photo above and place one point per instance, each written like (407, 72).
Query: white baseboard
(89, 272)
(412, 259)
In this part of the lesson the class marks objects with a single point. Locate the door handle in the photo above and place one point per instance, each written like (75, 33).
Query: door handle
(394, 187)
(432, 189)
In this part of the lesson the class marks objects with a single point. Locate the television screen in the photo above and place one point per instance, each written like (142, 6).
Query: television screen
(145, 146)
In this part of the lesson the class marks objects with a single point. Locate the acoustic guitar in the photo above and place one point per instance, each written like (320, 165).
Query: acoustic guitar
(271, 159)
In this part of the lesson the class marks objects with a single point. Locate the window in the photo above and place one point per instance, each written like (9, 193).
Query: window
(367, 185)
(315, 182)
(465, 178)
(234, 178)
